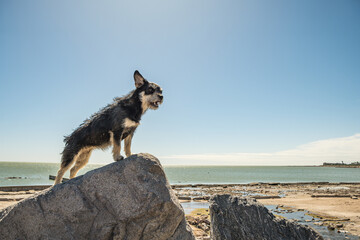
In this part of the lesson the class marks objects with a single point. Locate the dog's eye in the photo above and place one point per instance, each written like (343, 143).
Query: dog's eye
(150, 90)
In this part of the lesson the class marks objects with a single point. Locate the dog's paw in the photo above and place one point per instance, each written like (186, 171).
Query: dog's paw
(119, 158)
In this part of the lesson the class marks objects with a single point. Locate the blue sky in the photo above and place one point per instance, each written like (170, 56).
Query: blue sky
(239, 77)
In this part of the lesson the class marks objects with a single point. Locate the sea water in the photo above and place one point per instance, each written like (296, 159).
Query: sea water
(17, 173)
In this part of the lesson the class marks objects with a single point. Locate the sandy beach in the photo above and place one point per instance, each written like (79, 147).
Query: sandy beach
(337, 205)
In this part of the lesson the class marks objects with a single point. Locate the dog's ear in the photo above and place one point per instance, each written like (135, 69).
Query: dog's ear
(139, 79)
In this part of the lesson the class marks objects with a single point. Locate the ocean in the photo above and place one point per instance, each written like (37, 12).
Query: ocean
(17, 174)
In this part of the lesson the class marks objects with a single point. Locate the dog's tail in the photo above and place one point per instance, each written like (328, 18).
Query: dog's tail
(73, 144)
(69, 154)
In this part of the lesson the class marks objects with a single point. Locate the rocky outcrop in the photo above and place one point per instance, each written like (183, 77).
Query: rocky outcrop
(129, 199)
(234, 218)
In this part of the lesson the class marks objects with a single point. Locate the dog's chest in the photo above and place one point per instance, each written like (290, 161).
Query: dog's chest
(129, 127)
(129, 123)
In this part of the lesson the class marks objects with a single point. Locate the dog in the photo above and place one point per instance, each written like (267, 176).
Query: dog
(112, 124)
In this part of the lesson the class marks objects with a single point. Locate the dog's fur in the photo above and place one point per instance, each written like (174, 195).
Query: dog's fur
(117, 121)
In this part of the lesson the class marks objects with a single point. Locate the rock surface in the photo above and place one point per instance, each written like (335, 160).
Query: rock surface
(129, 199)
(244, 218)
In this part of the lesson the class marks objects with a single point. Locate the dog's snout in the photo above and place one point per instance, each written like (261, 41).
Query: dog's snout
(161, 96)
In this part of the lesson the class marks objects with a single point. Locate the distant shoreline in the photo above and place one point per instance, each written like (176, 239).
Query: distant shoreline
(342, 165)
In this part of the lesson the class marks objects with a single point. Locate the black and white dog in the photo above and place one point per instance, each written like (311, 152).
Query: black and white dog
(117, 121)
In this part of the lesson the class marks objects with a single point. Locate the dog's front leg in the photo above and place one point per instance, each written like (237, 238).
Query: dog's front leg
(116, 141)
(128, 145)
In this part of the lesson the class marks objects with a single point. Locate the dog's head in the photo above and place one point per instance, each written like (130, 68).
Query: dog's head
(150, 93)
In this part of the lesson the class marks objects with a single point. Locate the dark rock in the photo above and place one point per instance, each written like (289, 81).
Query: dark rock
(331, 227)
(254, 184)
(273, 183)
(184, 198)
(129, 199)
(191, 220)
(234, 218)
(339, 225)
(200, 198)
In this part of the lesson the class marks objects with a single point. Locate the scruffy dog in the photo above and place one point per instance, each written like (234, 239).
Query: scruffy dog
(117, 121)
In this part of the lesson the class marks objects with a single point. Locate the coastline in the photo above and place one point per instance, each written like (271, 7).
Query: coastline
(341, 166)
(336, 204)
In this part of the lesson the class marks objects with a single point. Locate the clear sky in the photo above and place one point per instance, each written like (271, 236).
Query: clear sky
(245, 82)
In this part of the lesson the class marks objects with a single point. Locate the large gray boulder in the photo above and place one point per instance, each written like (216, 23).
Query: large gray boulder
(234, 218)
(129, 199)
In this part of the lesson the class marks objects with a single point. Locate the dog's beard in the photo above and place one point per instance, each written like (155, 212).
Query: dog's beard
(150, 101)
(154, 105)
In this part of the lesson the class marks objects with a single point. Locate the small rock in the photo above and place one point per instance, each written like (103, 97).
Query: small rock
(207, 222)
(274, 183)
(254, 184)
(204, 227)
(191, 220)
(184, 198)
(198, 198)
(339, 225)
(13, 178)
(331, 227)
